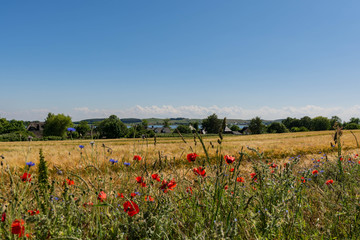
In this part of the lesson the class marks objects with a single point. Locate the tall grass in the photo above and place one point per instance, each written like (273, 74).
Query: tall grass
(268, 200)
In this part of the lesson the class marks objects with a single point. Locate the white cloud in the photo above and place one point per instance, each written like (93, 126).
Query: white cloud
(192, 111)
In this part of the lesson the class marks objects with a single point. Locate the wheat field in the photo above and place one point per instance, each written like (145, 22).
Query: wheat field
(274, 146)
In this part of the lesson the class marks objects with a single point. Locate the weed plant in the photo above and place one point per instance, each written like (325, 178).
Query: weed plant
(195, 197)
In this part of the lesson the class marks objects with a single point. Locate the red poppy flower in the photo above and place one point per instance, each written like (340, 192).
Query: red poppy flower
(226, 187)
(233, 169)
(33, 212)
(303, 179)
(273, 165)
(133, 194)
(191, 157)
(149, 198)
(156, 177)
(189, 190)
(88, 204)
(253, 176)
(168, 185)
(131, 208)
(199, 171)
(102, 196)
(120, 195)
(26, 177)
(141, 181)
(70, 182)
(315, 172)
(3, 217)
(17, 227)
(137, 157)
(229, 159)
(240, 179)
(329, 182)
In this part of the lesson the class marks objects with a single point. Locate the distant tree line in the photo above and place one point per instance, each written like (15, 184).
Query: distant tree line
(60, 126)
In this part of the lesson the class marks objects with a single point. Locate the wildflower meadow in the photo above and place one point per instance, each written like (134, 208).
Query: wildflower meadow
(224, 194)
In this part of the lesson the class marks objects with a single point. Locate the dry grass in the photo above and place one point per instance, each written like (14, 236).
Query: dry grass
(67, 153)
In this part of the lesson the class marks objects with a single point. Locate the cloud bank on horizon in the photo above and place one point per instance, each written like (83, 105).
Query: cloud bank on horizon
(190, 111)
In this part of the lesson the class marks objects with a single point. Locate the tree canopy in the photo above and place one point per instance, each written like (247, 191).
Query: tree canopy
(212, 124)
(56, 125)
(112, 127)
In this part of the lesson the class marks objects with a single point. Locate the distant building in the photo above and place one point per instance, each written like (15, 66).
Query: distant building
(227, 131)
(245, 131)
(161, 130)
(37, 128)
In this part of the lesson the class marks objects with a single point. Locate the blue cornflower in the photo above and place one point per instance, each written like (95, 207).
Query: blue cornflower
(71, 129)
(113, 161)
(321, 171)
(137, 193)
(81, 146)
(235, 219)
(126, 163)
(30, 164)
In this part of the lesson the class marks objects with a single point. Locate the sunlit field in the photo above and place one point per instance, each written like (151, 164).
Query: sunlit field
(66, 154)
(271, 186)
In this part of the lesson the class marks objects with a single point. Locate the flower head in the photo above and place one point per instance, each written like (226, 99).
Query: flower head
(330, 181)
(18, 228)
(191, 157)
(30, 164)
(81, 146)
(127, 164)
(141, 181)
(137, 157)
(199, 171)
(240, 179)
(315, 172)
(3, 217)
(88, 204)
(165, 186)
(70, 129)
(102, 196)
(149, 198)
(113, 161)
(253, 176)
(156, 177)
(70, 182)
(229, 159)
(26, 177)
(33, 212)
(131, 208)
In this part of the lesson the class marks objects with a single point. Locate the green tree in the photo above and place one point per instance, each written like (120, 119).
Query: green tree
(195, 125)
(83, 128)
(112, 127)
(256, 126)
(183, 129)
(56, 125)
(351, 125)
(166, 123)
(291, 122)
(320, 124)
(235, 128)
(212, 124)
(305, 122)
(277, 127)
(334, 120)
(354, 120)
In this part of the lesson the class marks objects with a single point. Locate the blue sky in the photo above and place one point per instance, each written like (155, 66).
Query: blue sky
(240, 59)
